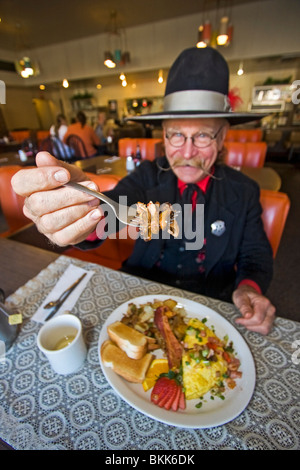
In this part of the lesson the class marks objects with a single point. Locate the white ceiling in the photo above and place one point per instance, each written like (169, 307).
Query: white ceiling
(36, 23)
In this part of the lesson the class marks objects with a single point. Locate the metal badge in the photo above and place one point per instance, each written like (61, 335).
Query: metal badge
(218, 228)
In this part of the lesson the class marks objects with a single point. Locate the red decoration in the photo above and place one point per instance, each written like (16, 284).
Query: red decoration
(234, 98)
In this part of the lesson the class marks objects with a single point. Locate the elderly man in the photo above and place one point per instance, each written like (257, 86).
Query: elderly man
(234, 262)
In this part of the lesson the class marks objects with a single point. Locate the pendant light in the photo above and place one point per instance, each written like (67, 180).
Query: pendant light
(222, 37)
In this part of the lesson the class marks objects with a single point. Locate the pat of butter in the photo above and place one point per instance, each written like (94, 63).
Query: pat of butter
(15, 319)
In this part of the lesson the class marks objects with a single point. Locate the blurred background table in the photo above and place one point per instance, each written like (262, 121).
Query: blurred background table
(266, 177)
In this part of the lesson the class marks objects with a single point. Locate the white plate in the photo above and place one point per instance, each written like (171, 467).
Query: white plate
(213, 412)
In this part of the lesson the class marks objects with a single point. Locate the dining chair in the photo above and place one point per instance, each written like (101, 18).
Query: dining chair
(46, 145)
(77, 145)
(276, 206)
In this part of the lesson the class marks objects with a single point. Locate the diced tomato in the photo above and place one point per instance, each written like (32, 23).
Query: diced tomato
(227, 357)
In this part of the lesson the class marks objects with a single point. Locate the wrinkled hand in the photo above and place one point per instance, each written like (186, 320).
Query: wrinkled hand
(64, 215)
(257, 311)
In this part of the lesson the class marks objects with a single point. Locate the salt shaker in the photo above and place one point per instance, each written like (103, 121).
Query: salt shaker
(130, 166)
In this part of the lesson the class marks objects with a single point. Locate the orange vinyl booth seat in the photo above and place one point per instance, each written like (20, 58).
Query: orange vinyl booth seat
(19, 136)
(150, 148)
(244, 135)
(251, 154)
(276, 206)
(11, 204)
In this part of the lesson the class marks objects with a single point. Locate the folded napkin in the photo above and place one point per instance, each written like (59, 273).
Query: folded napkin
(111, 159)
(71, 274)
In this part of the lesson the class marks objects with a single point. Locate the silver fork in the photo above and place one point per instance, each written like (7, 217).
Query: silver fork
(121, 211)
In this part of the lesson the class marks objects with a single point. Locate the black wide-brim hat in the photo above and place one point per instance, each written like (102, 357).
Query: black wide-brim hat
(197, 87)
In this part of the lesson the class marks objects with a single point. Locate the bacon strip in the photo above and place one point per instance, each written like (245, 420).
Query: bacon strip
(174, 348)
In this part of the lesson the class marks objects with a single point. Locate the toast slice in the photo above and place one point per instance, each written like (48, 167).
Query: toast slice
(133, 370)
(131, 341)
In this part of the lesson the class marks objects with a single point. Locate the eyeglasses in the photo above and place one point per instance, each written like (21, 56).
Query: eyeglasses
(200, 140)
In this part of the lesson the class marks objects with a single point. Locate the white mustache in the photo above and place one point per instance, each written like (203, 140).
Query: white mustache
(192, 164)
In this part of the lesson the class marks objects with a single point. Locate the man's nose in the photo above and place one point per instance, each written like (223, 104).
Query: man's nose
(189, 150)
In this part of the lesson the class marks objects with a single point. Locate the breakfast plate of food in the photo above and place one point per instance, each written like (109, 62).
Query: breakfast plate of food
(177, 361)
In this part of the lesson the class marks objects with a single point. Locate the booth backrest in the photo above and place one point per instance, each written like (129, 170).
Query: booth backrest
(150, 148)
(276, 206)
(11, 203)
(105, 182)
(251, 154)
(19, 136)
(244, 135)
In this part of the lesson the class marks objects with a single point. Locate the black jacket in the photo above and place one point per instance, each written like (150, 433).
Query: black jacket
(241, 252)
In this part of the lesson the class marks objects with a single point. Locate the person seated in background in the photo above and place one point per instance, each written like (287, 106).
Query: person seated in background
(57, 133)
(85, 132)
(100, 131)
(60, 127)
(234, 260)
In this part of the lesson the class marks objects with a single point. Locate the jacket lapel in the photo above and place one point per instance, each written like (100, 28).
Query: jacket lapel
(219, 207)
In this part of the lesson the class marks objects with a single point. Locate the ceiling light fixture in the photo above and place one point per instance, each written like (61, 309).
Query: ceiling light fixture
(204, 35)
(65, 83)
(109, 60)
(221, 36)
(116, 50)
(26, 68)
(160, 78)
(240, 69)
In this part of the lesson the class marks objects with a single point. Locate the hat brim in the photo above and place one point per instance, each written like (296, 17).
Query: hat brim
(232, 118)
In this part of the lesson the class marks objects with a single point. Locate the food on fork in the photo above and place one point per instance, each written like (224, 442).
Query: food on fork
(133, 370)
(152, 217)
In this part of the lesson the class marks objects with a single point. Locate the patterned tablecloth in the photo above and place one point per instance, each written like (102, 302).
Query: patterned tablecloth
(42, 410)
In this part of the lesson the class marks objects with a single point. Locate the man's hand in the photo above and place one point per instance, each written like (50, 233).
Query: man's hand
(64, 215)
(257, 311)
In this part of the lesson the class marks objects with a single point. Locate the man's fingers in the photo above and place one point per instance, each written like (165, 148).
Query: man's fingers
(29, 181)
(243, 303)
(55, 221)
(46, 202)
(49, 174)
(77, 231)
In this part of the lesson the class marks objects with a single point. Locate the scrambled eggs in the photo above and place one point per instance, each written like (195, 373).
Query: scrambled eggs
(202, 362)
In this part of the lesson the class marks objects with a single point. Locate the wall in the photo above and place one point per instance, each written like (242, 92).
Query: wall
(261, 29)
